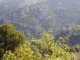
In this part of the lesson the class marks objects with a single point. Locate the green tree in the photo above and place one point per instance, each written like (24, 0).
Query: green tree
(9, 37)
(62, 42)
(39, 49)
(22, 52)
(75, 48)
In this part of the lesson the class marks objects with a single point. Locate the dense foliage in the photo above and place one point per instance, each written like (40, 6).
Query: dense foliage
(10, 38)
(62, 17)
(35, 49)
(71, 38)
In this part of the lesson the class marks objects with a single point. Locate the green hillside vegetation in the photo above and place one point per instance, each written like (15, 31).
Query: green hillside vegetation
(51, 14)
(69, 37)
(37, 21)
(14, 46)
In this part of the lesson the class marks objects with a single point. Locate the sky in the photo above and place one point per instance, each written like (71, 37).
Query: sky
(1, 0)
(33, 1)
(25, 1)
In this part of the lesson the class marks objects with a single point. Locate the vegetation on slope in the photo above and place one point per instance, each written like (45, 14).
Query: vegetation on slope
(35, 49)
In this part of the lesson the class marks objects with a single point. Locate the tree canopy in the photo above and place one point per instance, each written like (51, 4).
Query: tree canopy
(39, 49)
(9, 37)
(13, 46)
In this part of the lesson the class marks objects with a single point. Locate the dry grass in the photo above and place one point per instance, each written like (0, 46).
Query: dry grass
(78, 55)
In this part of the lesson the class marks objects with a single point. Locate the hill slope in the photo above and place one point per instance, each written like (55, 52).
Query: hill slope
(48, 15)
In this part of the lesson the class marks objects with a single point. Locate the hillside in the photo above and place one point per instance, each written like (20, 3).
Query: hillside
(51, 28)
(51, 14)
(31, 18)
(65, 11)
(13, 46)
